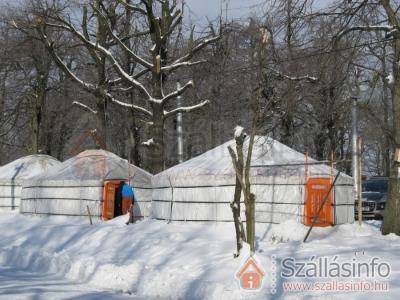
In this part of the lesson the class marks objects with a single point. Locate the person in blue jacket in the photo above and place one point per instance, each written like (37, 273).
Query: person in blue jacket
(127, 193)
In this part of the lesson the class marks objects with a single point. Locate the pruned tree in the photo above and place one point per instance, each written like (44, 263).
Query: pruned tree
(238, 162)
(241, 164)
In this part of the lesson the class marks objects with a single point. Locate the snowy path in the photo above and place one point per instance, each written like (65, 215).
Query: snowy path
(20, 284)
(64, 258)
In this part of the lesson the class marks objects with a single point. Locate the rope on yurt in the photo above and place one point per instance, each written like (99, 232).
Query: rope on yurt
(172, 200)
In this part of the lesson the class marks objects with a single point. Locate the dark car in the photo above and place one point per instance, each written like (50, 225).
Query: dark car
(374, 196)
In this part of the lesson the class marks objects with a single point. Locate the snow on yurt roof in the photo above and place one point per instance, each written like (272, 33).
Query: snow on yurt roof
(214, 167)
(27, 167)
(96, 165)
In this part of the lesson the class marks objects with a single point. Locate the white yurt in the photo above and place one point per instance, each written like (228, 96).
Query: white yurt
(79, 183)
(202, 188)
(15, 173)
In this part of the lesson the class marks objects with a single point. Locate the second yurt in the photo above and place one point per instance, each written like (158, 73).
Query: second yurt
(13, 175)
(287, 186)
(83, 184)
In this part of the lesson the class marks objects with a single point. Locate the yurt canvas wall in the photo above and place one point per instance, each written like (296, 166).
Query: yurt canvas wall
(201, 189)
(15, 173)
(78, 183)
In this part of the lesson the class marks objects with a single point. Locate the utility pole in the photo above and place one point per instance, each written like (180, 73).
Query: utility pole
(356, 152)
(179, 128)
(355, 160)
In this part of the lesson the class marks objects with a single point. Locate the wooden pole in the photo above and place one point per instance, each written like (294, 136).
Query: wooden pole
(89, 214)
(331, 166)
(359, 183)
(306, 168)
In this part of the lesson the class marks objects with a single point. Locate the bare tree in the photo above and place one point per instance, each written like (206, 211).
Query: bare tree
(161, 19)
(355, 22)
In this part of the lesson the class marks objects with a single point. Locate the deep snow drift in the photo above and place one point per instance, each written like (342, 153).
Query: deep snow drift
(59, 257)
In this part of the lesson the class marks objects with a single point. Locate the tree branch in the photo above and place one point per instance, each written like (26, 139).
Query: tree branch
(85, 107)
(187, 109)
(115, 64)
(182, 64)
(178, 92)
(194, 50)
(135, 57)
(49, 46)
(132, 106)
(134, 8)
(365, 29)
(296, 78)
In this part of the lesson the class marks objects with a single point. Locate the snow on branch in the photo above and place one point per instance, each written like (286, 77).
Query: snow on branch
(114, 62)
(149, 143)
(132, 7)
(386, 28)
(135, 57)
(296, 78)
(49, 46)
(390, 79)
(193, 51)
(132, 106)
(182, 64)
(87, 86)
(85, 107)
(239, 131)
(178, 92)
(186, 109)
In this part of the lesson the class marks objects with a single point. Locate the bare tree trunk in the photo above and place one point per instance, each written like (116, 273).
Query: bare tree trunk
(391, 222)
(133, 131)
(387, 145)
(2, 101)
(35, 125)
(101, 119)
(157, 145)
(287, 120)
(36, 104)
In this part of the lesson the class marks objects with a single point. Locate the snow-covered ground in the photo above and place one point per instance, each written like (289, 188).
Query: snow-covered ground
(64, 258)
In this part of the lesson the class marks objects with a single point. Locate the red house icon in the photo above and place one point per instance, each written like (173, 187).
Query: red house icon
(250, 275)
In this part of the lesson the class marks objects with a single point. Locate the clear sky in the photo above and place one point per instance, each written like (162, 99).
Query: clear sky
(199, 10)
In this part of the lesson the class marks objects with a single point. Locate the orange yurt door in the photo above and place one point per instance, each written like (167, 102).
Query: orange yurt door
(316, 191)
(108, 201)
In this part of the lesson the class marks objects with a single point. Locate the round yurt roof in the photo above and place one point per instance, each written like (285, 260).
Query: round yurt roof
(27, 167)
(96, 165)
(214, 167)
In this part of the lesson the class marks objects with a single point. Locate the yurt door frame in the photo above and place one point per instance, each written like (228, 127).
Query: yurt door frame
(108, 203)
(316, 191)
